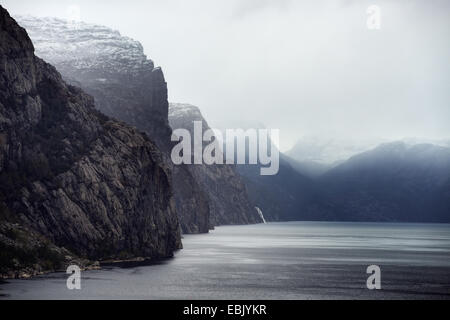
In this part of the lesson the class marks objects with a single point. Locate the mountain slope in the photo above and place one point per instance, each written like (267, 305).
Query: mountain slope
(309, 168)
(71, 179)
(126, 86)
(393, 182)
(328, 151)
(227, 194)
(281, 197)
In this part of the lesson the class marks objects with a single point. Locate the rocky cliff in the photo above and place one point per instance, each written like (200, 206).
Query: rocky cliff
(127, 86)
(226, 191)
(72, 181)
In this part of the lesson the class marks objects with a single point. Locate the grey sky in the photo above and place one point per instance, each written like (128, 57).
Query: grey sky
(305, 67)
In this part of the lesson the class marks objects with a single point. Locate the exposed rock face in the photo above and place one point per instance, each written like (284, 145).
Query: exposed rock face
(126, 86)
(110, 67)
(227, 194)
(94, 186)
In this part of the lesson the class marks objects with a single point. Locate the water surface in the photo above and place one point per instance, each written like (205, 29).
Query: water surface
(295, 260)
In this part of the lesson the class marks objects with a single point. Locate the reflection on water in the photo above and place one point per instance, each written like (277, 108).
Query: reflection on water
(295, 260)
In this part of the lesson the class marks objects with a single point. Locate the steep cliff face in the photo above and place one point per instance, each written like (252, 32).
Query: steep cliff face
(227, 194)
(126, 86)
(110, 67)
(78, 180)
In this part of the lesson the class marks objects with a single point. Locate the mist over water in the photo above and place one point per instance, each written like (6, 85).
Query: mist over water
(295, 260)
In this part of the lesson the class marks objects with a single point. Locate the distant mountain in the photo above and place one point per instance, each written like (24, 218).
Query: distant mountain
(313, 155)
(309, 168)
(393, 182)
(227, 194)
(282, 196)
(74, 184)
(127, 86)
(328, 151)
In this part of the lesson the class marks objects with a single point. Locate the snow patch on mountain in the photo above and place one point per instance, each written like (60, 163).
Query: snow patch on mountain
(97, 47)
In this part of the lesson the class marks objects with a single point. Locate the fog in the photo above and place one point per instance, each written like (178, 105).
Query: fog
(308, 68)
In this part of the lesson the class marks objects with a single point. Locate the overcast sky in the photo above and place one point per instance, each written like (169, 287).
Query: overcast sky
(305, 67)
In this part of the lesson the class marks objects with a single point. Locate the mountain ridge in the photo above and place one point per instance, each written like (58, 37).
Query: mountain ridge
(392, 182)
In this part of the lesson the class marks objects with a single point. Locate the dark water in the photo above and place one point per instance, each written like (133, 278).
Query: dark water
(298, 260)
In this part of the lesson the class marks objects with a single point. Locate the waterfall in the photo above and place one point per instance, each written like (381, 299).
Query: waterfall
(260, 214)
